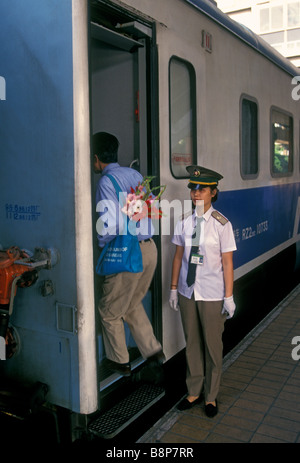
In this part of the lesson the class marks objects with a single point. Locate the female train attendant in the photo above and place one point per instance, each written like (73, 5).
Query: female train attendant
(202, 286)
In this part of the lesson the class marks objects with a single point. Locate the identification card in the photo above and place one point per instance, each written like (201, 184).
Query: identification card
(197, 259)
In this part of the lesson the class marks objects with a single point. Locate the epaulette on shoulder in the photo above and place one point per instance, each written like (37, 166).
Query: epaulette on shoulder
(219, 217)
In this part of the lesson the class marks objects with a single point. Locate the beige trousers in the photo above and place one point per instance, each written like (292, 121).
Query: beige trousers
(203, 325)
(121, 300)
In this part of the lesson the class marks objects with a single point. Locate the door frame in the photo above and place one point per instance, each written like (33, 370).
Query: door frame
(149, 141)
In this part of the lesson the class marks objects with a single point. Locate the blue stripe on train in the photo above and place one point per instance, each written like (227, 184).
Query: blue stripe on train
(262, 218)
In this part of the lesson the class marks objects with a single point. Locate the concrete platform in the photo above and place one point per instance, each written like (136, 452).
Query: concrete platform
(259, 400)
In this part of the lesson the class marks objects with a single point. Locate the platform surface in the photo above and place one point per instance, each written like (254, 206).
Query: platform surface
(259, 399)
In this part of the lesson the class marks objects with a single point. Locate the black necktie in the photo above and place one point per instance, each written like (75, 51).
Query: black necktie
(191, 275)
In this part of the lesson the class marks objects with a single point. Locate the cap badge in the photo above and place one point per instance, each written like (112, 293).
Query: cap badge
(196, 173)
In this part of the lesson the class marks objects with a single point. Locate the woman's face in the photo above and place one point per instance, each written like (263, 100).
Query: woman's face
(203, 194)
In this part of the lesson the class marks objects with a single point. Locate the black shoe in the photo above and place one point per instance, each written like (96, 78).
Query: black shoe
(151, 373)
(185, 404)
(211, 410)
(123, 369)
(159, 357)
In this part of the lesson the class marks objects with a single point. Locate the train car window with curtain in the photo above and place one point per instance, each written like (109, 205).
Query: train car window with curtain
(249, 138)
(182, 103)
(281, 143)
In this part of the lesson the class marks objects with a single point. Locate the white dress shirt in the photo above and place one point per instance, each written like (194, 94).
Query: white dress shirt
(215, 239)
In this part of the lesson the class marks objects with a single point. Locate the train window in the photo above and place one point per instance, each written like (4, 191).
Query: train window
(281, 143)
(182, 101)
(249, 138)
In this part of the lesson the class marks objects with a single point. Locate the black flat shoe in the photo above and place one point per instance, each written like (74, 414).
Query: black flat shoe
(185, 404)
(211, 410)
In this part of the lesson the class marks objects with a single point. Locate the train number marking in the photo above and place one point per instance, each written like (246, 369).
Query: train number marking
(247, 233)
(251, 232)
(25, 212)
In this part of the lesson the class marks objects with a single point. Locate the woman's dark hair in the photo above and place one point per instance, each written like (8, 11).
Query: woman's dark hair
(214, 199)
(105, 147)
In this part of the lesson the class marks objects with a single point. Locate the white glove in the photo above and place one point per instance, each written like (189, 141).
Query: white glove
(173, 299)
(228, 307)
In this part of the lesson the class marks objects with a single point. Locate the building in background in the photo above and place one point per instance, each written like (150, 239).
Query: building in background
(276, 21)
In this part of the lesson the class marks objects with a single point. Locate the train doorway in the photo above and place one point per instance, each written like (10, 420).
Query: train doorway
(120, 102)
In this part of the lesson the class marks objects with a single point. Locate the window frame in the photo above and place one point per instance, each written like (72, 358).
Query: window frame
(291, 156)
(193, 100)
(253, 100)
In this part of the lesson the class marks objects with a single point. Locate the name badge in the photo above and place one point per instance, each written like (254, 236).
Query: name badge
(197, 259)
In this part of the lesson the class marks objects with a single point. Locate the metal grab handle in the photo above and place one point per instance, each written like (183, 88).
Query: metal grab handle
(135, 161)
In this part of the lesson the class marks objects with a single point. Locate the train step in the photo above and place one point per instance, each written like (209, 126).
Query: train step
(113, 421)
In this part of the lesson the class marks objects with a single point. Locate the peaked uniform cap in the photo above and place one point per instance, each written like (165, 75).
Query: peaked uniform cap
(202, 176)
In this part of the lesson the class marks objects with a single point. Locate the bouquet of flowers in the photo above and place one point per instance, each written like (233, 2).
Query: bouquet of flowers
(140, 202)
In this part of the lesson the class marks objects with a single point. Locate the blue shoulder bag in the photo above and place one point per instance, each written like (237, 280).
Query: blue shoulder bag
(123, 253)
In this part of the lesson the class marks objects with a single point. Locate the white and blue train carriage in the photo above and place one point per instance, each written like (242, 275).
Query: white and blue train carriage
(179, 83)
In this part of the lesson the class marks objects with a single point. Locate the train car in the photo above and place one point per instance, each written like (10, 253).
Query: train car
(179, 83)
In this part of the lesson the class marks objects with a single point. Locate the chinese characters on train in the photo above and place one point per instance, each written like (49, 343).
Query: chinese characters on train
(22, 212)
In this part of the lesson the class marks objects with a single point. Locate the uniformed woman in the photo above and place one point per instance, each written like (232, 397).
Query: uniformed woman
(202, 286)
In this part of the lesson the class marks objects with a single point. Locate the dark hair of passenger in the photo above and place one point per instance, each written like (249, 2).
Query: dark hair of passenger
(105, 147)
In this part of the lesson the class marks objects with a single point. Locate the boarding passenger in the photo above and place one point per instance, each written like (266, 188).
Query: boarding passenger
(122, 293)
(202, 287)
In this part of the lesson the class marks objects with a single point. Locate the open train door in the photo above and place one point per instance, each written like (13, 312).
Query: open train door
(121, 80)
